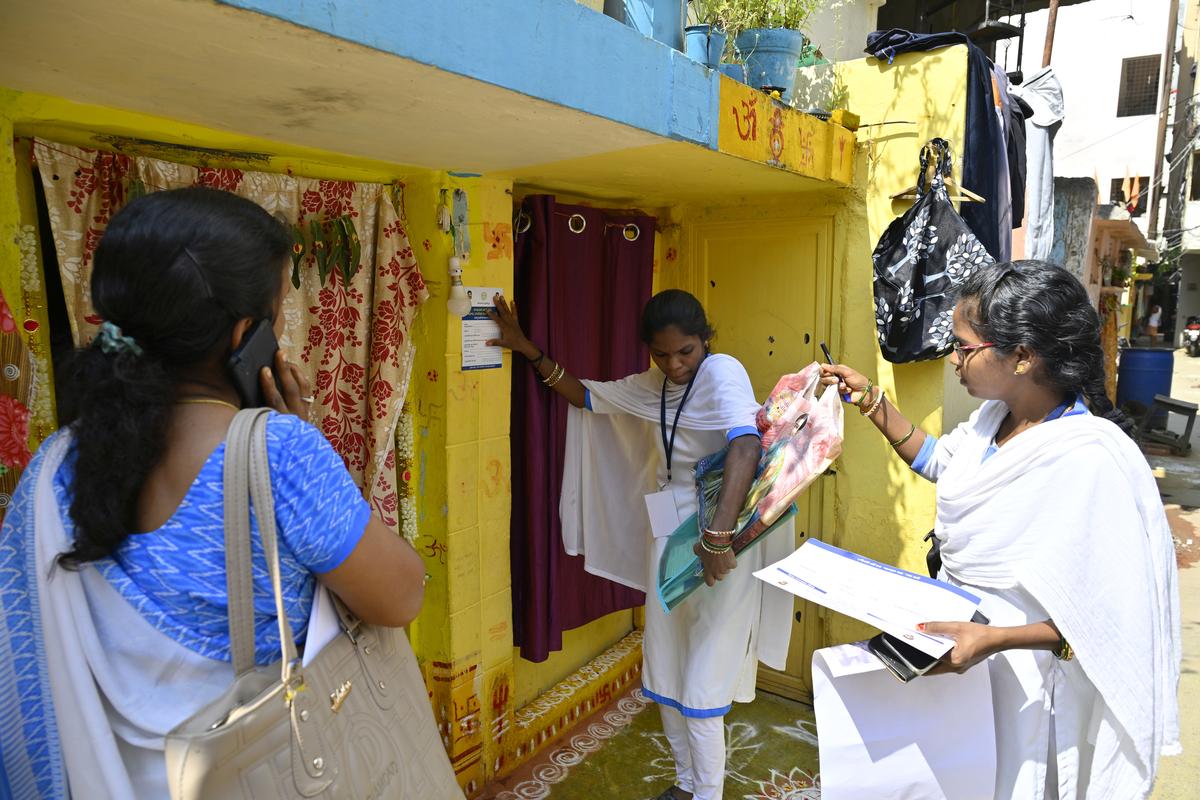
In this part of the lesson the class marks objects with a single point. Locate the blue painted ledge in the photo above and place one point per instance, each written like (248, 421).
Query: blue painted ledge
(555, 50)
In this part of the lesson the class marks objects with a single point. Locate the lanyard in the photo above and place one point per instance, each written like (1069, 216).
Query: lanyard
(669, 444)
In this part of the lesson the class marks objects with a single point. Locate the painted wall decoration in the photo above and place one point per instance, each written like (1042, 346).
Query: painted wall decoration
(754, 126)
(349, 320)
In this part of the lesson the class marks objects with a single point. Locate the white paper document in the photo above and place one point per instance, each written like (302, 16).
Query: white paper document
(886, 597)
(478, 329)
(323, 625)
(929, 739)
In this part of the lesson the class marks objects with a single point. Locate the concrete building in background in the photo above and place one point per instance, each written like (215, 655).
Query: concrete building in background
(1108, 57)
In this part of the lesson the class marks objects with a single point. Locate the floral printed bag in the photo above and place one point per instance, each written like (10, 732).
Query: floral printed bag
(920, 260)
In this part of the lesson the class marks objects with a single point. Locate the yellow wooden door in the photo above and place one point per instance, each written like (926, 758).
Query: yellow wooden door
(767, 290)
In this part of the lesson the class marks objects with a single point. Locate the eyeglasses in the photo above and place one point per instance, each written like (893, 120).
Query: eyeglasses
(961, 348)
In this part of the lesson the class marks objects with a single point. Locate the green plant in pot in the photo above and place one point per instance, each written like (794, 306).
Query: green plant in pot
(704, 39)
(768, 36)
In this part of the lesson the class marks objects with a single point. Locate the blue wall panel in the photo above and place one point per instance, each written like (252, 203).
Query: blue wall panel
(555, 50)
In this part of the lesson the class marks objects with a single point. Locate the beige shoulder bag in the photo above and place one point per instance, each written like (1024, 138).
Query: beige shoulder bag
(355, 723)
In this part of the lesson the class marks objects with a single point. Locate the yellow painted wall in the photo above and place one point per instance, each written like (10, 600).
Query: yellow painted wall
(882, 509)
(463, 635)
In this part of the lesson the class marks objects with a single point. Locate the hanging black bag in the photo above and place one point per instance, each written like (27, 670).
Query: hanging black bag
(919, 261)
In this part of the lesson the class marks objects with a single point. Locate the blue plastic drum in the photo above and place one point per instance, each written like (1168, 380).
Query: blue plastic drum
(1143, 373)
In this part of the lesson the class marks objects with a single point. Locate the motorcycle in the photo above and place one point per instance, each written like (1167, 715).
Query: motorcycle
(1191, 336)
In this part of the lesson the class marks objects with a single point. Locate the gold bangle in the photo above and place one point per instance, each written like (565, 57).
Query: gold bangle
(555, 376)
(905, 437)
(865, 395)
(715, 550)
(1064, 652)
(874, 406)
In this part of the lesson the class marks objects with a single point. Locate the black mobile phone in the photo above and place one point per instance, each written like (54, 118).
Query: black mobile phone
(256, 351)
(903, 660)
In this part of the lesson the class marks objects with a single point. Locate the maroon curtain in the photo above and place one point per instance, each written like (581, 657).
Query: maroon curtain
(580, 297)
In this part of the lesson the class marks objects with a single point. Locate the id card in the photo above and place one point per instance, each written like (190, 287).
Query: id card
(664, 514)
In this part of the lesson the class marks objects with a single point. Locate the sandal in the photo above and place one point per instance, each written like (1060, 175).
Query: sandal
(669, 794)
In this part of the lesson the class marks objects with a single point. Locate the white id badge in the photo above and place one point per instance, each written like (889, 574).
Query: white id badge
(664, 515)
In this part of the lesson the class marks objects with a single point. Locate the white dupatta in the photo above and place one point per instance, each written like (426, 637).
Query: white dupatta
(612, 461)
(1069, 512)
(118, 684)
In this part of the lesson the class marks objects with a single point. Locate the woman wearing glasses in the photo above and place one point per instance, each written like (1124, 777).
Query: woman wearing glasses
(1048, 511)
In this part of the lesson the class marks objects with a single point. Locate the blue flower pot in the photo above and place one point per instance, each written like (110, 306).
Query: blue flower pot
(705, 44)
(770, 55)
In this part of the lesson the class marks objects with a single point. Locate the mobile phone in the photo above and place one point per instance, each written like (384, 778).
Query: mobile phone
(256, 351)
(903, 660)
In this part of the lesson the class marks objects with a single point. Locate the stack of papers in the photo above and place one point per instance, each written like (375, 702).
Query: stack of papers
(888, 598)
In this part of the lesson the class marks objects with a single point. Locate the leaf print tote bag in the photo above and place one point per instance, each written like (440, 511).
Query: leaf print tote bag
(920, 260)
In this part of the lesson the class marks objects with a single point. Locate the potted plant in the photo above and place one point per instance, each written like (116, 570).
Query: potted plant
(768, 37)
(704, 39)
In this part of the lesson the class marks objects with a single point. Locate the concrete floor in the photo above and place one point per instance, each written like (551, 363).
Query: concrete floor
(1179, 481)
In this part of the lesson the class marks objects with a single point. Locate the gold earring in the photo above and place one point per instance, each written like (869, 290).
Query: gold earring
(1022, 368)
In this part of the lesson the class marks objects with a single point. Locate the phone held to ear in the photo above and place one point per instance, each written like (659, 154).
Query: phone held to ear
(256, 351)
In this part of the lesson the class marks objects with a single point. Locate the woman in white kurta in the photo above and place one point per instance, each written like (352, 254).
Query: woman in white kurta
(1048, 511)
(643, 436)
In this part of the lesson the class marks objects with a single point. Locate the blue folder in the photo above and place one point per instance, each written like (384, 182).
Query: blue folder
(679, 569)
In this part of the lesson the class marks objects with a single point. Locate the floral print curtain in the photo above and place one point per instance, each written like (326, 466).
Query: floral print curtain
(358, 285)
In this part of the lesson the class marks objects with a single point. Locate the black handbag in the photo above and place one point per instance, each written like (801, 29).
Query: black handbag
(933, 558)
(920, 260)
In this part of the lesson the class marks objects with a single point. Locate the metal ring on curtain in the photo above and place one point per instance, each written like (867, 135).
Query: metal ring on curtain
(630, 231)
(577, 223)
(522, 223)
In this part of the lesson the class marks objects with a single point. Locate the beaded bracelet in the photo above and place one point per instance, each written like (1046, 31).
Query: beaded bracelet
(719, 534)
(713, 549)
(555, 376)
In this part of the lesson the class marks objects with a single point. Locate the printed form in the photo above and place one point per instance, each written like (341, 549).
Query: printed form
(883, 596)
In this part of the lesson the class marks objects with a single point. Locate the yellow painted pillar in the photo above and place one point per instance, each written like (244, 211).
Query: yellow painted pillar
(464, 634)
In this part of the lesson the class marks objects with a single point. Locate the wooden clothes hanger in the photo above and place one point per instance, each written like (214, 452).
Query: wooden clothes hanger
(953, 190)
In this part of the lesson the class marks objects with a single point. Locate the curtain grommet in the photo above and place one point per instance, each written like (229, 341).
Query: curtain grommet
(576, 223)
(631, 232)
(523, 223)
